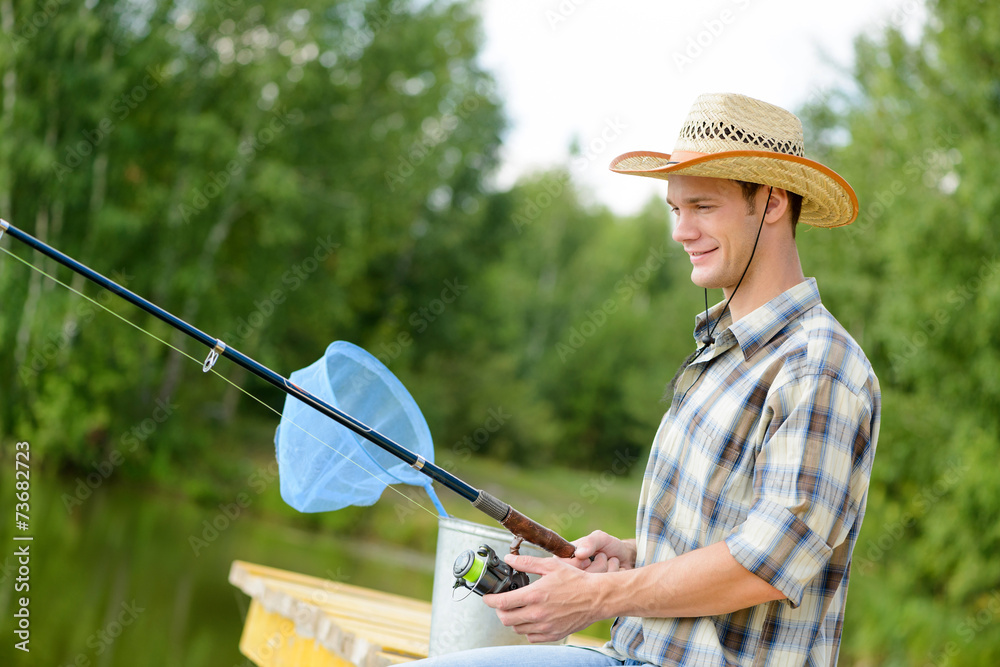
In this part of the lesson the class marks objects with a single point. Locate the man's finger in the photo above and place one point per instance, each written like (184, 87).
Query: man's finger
(585, 548)
(504, 601)
(600, 564)
(529, 564)
(590, 545)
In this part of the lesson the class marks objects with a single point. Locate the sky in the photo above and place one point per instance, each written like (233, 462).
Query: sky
(620, 75)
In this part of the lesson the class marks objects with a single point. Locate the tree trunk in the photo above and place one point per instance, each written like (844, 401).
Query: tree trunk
(7, 111)
(216, 237)
(34, 292)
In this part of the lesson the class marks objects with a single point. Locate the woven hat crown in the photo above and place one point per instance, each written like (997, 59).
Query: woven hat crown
(729, 122)
(739, 138)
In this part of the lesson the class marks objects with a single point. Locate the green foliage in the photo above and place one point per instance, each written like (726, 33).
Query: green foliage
(261, 171)
(917, 280)
(286, 176)
(282, 176)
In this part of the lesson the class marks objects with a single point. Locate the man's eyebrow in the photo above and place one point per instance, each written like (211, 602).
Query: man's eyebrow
(694, 199)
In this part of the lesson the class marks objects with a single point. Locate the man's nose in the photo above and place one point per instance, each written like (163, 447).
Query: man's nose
(681, 228)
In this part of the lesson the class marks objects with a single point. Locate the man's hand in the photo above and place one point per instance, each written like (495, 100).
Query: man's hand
(561, 602)
(609, 554)
(565, 599)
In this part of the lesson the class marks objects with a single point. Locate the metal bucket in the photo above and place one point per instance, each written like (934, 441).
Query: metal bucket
(458, 624)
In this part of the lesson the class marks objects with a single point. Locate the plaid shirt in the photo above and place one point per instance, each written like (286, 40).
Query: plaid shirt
(768, 444)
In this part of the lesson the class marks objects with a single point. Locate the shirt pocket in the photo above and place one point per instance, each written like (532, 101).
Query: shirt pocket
(722, 460)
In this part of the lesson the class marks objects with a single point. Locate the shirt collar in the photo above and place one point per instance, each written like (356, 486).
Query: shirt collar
(759, 327)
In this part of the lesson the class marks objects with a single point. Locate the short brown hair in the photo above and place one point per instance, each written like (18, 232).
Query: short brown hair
(750, 191)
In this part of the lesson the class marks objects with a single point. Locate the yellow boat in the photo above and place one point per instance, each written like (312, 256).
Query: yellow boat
(296, 620)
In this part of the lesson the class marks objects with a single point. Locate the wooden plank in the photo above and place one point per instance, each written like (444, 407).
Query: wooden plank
(242, 569)
(359, 625)
(269, 640)
(354, 607)
(296, 619)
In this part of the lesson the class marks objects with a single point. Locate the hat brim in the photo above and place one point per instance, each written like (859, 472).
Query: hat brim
(827, 199)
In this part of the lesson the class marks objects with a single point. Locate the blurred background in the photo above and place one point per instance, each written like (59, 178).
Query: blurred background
(428, 180)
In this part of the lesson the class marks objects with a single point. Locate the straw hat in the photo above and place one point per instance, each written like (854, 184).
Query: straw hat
(737, 137)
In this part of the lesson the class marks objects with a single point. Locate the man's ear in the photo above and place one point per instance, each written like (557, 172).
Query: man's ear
(777, 205)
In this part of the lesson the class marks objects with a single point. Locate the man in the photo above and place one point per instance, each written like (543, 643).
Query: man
(756, 483)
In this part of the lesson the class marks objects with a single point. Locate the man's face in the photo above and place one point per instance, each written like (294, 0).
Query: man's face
(711, 222)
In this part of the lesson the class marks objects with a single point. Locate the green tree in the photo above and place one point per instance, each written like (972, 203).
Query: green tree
(571, 324)
(265, 172)
(916, 280)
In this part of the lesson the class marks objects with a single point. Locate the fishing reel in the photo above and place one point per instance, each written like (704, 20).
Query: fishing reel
(482, 572)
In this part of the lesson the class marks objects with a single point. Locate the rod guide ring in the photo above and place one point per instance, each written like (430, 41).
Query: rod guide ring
(213, 356)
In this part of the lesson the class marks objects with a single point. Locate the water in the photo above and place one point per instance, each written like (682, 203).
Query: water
(137, 578)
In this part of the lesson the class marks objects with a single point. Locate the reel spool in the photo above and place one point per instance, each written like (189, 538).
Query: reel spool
(483, 572)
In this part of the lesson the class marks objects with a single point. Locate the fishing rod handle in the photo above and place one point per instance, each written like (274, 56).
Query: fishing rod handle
(522, 526)
(537, 534)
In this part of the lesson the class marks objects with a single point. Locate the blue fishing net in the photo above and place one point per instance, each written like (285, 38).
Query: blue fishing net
(323, 466)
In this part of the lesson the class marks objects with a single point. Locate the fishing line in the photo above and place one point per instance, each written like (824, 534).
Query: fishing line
(182, 352)
(517, 523)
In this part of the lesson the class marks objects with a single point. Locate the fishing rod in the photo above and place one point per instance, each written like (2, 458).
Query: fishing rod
(518, 524)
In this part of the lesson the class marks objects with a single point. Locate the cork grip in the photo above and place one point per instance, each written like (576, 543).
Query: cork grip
(537, 534)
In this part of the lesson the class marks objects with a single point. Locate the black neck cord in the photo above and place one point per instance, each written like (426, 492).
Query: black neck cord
(707, 339)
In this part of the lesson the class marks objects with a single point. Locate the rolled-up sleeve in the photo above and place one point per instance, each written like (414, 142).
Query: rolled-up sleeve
(811, 477)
